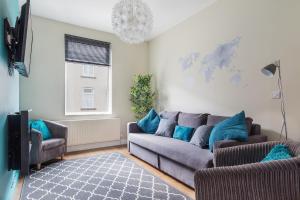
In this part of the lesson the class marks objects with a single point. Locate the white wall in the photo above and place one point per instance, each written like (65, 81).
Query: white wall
(269, 30)
(44, 90)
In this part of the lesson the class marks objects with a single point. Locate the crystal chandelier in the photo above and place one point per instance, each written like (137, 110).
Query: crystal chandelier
(132, 21)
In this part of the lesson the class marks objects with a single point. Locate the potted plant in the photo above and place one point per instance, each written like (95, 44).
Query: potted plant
(141, 95)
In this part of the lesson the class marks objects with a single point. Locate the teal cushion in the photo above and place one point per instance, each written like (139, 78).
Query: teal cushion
(234, 128)
(41, 127)
(278, 152)
(150, 122)
(183, 133)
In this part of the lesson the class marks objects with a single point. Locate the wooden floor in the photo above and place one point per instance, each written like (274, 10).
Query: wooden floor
(123, 150)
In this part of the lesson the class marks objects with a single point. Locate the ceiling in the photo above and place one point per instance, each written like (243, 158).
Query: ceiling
(96, 14)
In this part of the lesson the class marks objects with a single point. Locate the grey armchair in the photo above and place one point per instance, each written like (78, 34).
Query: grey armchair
(42, 151)
(240, 175)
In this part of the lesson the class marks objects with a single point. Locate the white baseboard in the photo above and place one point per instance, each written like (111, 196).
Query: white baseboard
(83, 147)
(123, 141)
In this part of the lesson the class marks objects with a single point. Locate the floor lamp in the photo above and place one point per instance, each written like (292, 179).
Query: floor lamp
(270, 71)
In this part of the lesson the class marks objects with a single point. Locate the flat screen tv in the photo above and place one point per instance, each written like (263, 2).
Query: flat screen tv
(19, 41)
(25, 39)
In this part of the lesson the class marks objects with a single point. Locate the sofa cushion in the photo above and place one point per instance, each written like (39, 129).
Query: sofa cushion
(278, 152)
(52, 143)
(201, 136)
(192, 120)
(169, 115)
(183, 133)
(182, 152)
(41, 127)
(150, 122)
(233, 128)
(166, 127)
(212, 120)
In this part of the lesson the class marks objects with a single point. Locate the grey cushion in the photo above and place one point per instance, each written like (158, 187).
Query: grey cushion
(201, 136)
(52, 143)
(212, 120)
(169, 115)
(192, 120)
(166, 127)
(182, 152)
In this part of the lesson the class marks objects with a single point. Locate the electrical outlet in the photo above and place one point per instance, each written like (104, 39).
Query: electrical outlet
(276, 94)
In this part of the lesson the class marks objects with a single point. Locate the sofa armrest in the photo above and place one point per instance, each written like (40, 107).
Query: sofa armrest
(243, 154)
(36, 146)
(273, 180)
(255, 129)
(230, 143)
(132, 127)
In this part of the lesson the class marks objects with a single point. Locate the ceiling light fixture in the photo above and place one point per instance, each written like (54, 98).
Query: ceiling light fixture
(132, 21)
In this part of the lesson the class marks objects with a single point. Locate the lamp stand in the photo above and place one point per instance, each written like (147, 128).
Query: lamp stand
(284, 125)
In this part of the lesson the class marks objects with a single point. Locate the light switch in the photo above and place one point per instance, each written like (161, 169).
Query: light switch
(276, 94)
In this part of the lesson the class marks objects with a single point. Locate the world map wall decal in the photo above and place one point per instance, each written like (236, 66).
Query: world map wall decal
(219, 59)
(188, 61)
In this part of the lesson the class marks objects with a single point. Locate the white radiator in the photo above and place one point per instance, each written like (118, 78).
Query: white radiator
(88, 134)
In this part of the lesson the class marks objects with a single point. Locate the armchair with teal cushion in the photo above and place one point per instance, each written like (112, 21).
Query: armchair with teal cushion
(45, 150)
(240, 174)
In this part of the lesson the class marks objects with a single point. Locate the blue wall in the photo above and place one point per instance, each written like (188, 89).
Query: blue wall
(9, 101)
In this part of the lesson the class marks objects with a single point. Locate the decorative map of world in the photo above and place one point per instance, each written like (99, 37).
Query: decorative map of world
(219, 59)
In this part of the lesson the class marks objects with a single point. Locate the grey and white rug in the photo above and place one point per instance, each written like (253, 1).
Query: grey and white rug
(107, 176)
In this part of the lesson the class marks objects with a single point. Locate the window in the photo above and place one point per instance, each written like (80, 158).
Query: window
(88, 99)
(87, 77)
(88, 71)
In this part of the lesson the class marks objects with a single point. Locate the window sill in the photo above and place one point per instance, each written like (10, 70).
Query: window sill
(91, 77)
(86, 109)
(87, 113)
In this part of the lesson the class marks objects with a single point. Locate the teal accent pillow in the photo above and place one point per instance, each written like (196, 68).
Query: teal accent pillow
(278, 152)
(42, 127)
(234, 128)
(150, 122)
(183, 133)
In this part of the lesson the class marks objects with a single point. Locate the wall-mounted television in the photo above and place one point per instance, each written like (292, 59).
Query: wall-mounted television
(19, 40)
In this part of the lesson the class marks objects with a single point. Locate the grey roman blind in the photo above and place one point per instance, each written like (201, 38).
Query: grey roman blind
(83, 50)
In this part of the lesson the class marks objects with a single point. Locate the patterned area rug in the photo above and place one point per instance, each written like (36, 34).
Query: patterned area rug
(107, 176)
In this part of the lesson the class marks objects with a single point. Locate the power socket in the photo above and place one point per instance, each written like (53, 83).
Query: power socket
(276, 94)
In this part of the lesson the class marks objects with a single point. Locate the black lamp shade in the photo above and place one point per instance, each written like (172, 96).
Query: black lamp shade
(269, 70)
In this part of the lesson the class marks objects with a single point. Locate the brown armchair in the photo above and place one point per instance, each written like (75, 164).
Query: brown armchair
(240, 175)
(42, 151)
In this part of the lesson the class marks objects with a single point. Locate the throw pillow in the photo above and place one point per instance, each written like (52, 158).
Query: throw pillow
(150, 122)
(166, 127)
(169, 115)
(192, 120)
(234, 128)
(183, 133)
(278, 152)
(41, 127)
(201, 136)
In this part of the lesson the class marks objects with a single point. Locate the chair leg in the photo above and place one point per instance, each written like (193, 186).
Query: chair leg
(38, 166)
(62, 157)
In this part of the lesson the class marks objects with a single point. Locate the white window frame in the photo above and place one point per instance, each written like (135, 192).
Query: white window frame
(88, 71)
(84, 95)
(86, 113)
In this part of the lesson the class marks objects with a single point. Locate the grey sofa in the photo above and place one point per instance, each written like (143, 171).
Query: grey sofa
(42, 151)
(178, 158)
(250, 179)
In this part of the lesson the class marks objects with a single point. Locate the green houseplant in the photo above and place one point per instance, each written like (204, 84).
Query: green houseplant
(141, 95)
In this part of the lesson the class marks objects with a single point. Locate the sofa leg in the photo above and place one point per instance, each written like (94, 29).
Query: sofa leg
(62, 157)
(38, 166)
